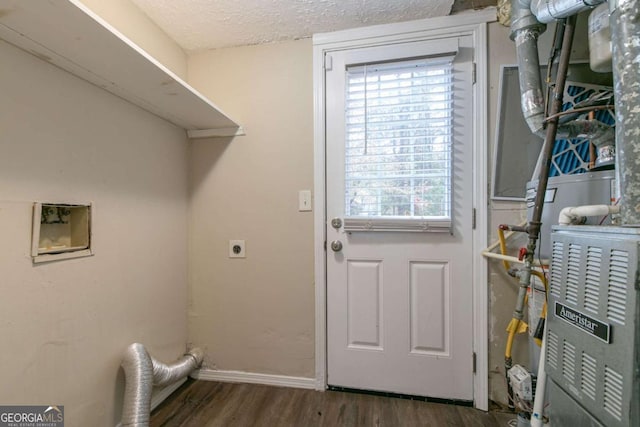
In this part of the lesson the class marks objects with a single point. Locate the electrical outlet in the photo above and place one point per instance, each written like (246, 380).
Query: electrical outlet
(237, 249)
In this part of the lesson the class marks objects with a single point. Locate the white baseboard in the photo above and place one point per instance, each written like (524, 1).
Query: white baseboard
(159, 396)
(253, 378)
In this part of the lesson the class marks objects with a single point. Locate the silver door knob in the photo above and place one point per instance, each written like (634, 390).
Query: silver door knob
(336, 246)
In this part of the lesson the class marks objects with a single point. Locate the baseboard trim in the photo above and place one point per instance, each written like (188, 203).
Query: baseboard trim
(254, 378)
(159, 396)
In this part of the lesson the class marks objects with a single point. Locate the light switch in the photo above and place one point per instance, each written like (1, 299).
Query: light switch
(304, 200)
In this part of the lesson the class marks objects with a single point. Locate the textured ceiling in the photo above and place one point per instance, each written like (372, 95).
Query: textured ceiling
(208, 24)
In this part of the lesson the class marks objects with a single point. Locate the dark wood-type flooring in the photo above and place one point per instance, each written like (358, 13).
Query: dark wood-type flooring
(208, 404)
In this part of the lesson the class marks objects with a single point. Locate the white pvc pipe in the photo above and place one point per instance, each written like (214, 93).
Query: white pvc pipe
(572, 215)
(538, 401)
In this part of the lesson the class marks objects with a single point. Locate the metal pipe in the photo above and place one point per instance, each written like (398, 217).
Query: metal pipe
(507, 236)
(549, 10)
(625, 41)
(525, 30)
(534, 224)
(142, 372)
(533, 228)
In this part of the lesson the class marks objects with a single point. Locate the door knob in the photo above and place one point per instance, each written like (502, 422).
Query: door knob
(336, 223)
(336, 246)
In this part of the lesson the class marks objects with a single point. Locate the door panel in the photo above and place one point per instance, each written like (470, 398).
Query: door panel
(364, 295)
(430, 333)
(399, 304)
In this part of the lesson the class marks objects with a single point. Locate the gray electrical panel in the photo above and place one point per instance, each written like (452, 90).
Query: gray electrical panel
(593, 327)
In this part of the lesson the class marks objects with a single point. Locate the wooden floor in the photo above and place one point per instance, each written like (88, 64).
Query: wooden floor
(207, 404)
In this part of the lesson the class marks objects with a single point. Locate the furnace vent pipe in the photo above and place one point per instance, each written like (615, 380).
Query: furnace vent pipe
(573, 215)
(549, 10)
(597, 132)
(525, 30)
(625, 43)
(142, 372)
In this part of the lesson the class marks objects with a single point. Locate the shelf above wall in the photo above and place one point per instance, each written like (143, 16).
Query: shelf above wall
(68, 35)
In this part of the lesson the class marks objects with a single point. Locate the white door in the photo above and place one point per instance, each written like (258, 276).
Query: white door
(399, 187)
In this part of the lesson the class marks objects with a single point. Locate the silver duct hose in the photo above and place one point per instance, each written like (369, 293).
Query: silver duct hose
(142, 372)
(625, 42)
(168, 374)
(138, 372)
(549, 10)
(597, 132)
(525, 30)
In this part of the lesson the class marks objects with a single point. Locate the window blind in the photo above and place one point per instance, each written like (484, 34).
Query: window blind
(398, 148)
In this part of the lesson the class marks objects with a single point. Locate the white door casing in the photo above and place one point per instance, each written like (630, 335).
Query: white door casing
(399, 315)
(422, 269)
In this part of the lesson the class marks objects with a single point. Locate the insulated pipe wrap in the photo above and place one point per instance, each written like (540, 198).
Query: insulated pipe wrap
(625, 41)
(142, 372)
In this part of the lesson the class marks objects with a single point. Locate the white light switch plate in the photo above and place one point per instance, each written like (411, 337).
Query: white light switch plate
(304, 200)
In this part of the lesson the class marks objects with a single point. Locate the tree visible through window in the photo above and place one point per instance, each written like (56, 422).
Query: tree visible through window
(399, 120)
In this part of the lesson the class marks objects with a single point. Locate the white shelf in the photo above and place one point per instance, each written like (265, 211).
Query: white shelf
(70, 36)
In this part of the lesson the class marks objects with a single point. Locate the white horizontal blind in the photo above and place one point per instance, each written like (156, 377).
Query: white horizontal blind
(399, 120)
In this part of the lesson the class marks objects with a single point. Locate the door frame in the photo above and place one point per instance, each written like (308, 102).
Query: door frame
(472, 24)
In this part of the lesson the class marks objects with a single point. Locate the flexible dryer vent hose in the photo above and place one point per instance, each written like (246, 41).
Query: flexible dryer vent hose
(142, 372)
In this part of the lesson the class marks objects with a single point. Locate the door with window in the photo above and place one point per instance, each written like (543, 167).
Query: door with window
(399, 218)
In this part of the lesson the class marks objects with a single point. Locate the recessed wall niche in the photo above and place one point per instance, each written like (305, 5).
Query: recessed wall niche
(61, 231)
